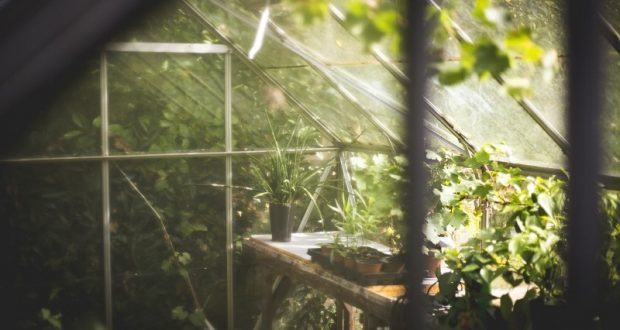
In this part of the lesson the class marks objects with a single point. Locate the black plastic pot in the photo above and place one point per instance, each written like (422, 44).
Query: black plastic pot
(281, 220)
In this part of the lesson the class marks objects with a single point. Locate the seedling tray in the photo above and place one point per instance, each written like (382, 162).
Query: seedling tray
(365, 279)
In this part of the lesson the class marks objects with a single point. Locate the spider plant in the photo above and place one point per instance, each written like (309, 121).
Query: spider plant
(282, 177)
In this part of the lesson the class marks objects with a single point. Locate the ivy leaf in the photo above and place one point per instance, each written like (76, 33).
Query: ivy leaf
(520, 42)
(482, 190)
(545, 201)
(452, 75)
(487, 57)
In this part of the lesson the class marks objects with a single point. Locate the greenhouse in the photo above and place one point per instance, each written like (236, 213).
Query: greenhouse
(244, 165)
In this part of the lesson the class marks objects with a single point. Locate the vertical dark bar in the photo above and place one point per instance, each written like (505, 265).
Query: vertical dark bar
(584, 108)
(416, 55)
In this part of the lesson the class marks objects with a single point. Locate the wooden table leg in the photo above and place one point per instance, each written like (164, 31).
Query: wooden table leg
(281, 288)
(345, 316)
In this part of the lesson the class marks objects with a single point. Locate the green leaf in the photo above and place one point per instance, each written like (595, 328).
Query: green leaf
(97, 122)
(505, 306)
(520, 42)
(452, 75)
(487, 57)
(545, 201)
(72, 134)
(179, 313)
(518, 88)
(197, 318)
(482, 191)
(470, 268)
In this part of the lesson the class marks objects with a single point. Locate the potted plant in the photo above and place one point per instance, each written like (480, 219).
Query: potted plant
(358, 226)
(282, 178)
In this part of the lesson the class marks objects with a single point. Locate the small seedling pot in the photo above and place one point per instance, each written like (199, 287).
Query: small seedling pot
(367, 266)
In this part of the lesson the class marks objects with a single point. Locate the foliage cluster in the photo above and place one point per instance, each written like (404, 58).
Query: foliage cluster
(524, 248)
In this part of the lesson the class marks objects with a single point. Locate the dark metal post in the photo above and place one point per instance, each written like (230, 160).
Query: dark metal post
(416, 55)
(584, 105)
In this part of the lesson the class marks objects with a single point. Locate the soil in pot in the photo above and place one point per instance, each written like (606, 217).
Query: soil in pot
(281, 221)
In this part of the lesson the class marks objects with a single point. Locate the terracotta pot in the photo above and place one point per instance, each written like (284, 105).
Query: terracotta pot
(349, 262)
(432, 264)
(326, 250)
(368, 266)
(281, 221)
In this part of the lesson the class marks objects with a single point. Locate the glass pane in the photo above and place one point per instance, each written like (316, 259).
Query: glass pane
(611, 12)
(168, 21)
(168, 253)
(52, 218)
(332, 107)
(68, 126)
(253, 101)
(232, 21)
(305, 83)
(611, 115)
(543, 17)
(488, 116)
(368, 84)
(165, 102)
(325, 38)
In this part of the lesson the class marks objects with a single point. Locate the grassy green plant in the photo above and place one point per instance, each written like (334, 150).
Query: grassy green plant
(356, 221)
(282, 176)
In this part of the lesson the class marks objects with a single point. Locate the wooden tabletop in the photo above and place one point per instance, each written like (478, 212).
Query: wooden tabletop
(291, 259)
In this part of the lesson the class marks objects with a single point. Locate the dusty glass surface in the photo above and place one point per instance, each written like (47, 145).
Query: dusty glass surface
(236, 24)
(165, 102)
(256, 103)
(166, 253)
(487, 116)
(337, 112)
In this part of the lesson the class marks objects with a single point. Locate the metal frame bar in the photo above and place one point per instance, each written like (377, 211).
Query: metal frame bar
(316, 194)
(229, 182)
(165, 155)
(346, 176)
(160, 47)
(105, 193)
